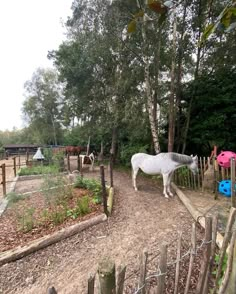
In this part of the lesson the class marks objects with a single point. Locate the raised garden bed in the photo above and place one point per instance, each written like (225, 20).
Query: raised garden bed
(29, 217)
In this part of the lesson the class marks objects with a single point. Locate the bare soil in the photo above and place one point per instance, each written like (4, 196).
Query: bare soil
(143, 219)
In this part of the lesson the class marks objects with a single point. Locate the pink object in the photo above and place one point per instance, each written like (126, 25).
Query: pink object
(224, 158)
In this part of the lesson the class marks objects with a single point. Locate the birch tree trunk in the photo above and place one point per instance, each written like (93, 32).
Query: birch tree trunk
(148, 90)
(172, 110)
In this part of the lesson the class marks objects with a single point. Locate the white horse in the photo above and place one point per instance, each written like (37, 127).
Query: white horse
(162, 163)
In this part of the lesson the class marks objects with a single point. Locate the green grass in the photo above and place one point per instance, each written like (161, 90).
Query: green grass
(38, 170)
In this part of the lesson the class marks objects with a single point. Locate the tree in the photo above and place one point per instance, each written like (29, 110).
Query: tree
(42, 106)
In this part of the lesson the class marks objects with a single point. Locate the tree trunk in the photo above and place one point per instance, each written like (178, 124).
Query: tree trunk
(179, 80)
(149, 95)
(171, 131)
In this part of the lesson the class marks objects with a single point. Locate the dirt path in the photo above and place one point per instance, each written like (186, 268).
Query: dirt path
(140, 219)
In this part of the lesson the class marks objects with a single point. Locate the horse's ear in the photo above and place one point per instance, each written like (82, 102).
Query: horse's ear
(195, 157)
(191, 155)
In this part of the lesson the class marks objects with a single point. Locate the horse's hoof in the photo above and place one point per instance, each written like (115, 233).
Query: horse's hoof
(166, 196)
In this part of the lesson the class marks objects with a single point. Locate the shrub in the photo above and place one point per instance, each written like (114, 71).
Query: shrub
(128, 150)
(82, 205)
(92, 185)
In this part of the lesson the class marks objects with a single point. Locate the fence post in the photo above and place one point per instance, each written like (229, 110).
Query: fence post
(192, 254)
(51, 290)
(163, 269)
(111, 170)
(231, 220)
(81, 166)
(120, 279)
(232, 176)
(68, 162)
(107, 276)
(178, 263)
(104, 192)
(14, 165)
(206, 256)
(91, 281)
(143, 267)
(3, 166)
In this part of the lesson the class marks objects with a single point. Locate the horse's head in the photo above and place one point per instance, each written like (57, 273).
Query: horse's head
(194, 165)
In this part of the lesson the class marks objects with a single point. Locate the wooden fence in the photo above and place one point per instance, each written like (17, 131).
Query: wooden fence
(209, 176)
(112, 280)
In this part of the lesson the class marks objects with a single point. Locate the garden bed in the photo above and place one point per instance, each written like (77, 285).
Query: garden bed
(29, 217)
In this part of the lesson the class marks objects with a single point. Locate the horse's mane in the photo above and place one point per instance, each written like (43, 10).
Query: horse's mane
(180, 158)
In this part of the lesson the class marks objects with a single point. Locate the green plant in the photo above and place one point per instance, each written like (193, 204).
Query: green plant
(82, 205)
(224, 265)
(57, 216)
(26, 219)
(90, 184)
(38, 170)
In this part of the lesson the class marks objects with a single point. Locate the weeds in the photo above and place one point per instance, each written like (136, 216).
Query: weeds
(26, 220)
(93, 185)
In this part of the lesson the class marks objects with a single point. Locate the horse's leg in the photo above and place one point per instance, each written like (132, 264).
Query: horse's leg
(168, 185)
(134, 175)
(165, 183)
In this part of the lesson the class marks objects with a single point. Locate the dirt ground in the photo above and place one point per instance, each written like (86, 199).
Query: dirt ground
(143, 219)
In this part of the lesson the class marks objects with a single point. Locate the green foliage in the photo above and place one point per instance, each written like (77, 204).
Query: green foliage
(82, 205)
(224, 266)
(26, 219)
(128, 150)
(91, 184)
(38, 170)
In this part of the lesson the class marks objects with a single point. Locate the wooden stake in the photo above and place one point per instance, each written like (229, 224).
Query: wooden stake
(193, 250)
(104, 192)
(228, 270)
(178, 263)
(227, 235)
(232, 176)
(4, 187)
(107, 276)
(14, 165)
(68, 162)
(206, 255)
(111, 170)
(163, 269)
(120, 279)
(91, 281)
(143, 267)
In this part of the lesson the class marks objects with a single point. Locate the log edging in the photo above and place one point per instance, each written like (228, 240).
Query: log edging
(110, 199)
(19, 252)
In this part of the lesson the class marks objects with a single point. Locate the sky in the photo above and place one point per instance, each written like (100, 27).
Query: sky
(28, 30)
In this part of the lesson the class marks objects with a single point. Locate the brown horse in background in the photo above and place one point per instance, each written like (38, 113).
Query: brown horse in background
(75, 150)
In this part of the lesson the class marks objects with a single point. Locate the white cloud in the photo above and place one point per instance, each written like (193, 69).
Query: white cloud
(28, 30)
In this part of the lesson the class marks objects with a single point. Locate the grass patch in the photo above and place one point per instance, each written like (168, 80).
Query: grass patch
(38, 170)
